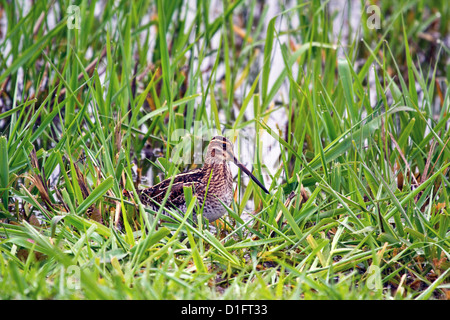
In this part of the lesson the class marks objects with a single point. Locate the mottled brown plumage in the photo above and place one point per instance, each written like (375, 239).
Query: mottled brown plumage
(219, 189)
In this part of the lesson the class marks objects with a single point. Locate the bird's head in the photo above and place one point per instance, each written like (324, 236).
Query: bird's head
(220, 150)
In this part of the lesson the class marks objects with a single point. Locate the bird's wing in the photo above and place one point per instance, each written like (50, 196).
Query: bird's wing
(158, 191)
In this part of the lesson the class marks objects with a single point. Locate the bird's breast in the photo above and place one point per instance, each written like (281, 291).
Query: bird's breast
(220, 185)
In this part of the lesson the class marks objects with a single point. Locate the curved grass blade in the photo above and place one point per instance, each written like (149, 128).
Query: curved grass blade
(96, 194)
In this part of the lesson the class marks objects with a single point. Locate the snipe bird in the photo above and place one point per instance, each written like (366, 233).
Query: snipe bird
(219, 189)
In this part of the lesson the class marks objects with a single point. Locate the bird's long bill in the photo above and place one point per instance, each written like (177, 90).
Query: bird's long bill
(243, 168)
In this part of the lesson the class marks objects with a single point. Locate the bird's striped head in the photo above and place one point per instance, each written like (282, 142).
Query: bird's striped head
(220, 150)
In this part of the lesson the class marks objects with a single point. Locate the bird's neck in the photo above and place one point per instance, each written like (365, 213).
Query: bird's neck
(217, 170)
